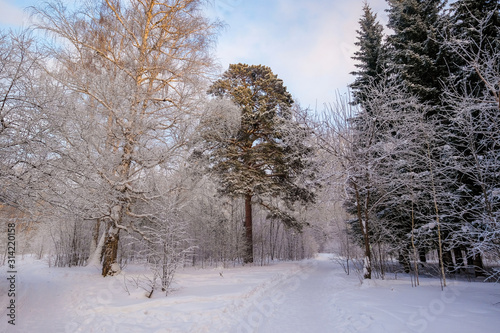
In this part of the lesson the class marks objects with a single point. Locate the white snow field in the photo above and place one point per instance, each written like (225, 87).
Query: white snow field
(308, 296)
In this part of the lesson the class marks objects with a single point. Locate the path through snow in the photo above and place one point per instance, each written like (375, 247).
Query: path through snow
(322, 298)
(310, 296)
(302, 303)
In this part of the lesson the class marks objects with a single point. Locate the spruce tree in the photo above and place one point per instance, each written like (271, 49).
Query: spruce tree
(475, 24)
(412, 60)
(472, 50)
(266, 157)
(414, 47)
(369, 55)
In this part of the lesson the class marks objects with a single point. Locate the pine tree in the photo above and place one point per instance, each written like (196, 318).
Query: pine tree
(266, 155)
(369, 55)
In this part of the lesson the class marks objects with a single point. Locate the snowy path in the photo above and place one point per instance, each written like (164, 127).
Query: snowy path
(321, 298)
(309, 306)
(310, 296)
(305, 302)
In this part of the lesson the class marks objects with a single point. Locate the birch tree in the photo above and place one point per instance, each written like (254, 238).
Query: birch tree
(132, 71)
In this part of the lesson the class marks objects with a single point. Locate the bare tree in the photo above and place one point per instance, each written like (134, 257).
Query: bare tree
(474, 109)
(23, 120)
(132, 71)
(382, 151)
(25, 100)
(338, 140)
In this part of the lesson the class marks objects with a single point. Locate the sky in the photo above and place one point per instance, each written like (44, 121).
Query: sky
(308, 44)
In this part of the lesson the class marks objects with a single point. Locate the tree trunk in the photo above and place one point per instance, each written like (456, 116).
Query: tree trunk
(448, 261)
(248, 229)
(468, 257)
(95, 258)
(367, 265)
(459, 258)
(478, 265)
(421, 253)
(436, 210)
(95, 237)
(404, 260)
(110, 253)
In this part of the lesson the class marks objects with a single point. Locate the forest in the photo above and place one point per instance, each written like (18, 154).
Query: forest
(121, 142)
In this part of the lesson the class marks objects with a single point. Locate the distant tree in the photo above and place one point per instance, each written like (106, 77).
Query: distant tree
(266, 155)
(369, 56)
(340, 139)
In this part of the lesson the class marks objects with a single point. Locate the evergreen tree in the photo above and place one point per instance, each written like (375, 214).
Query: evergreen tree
(369, 55)
(415, 48)
(388, 185)
(418, 60)
(266, 156)
(473, 110)
(475, 25)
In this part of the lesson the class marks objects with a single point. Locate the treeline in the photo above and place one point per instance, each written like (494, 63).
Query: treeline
(118, 144)
(420, 141)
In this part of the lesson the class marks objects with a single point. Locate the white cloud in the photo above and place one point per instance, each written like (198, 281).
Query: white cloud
(11, 15)
(309, 44)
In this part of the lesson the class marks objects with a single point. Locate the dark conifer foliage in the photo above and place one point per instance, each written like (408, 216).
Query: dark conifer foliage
(474, 28)
(429, 159)
(474, 24)
(369, 57)
(267, 156)
(414, 48)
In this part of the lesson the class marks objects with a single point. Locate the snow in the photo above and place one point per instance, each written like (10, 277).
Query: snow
(308, 296)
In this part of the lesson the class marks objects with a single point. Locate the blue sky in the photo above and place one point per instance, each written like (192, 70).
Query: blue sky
(307, 43)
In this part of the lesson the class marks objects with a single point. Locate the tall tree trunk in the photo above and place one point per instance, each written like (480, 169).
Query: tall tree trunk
(436, 210)
(415, 252)
(248, 229)
(367, 265)
(110, 253)
(95, 237)
(73, 260)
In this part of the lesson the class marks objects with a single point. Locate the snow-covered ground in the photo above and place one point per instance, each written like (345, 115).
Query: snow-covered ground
(308, 296)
